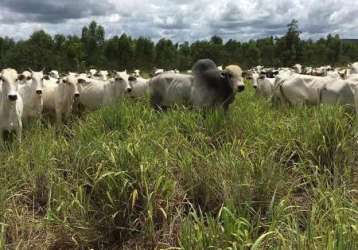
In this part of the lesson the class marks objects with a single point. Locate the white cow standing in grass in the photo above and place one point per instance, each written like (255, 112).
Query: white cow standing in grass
(31, 93)
(96, 93)
(59, 98)
(295, 89)
(339, 91)
(139, 85)
(314, 90)
(11, 105)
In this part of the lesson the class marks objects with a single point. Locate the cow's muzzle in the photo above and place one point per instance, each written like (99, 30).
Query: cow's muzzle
(241, 88)
(129, 90)
(77, 95)
(39, 92)
(12, 97)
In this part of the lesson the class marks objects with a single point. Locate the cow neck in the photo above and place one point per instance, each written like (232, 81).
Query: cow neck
(7, 108)
(68, 99)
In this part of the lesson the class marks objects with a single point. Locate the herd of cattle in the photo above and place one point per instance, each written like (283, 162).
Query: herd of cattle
(31, 94)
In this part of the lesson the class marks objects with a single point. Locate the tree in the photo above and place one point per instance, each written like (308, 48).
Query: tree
(289, 49)
(73, 53)
(93, 41)
(144, 53)
(184, 56)
(166, 53)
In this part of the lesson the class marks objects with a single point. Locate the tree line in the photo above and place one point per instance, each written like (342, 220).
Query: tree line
(91, 49)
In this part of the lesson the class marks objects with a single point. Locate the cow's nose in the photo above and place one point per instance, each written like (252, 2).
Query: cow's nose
(77, 95)
(12, 97)
(241, 88)
(129, 90)
(39, 92)
(255, 87)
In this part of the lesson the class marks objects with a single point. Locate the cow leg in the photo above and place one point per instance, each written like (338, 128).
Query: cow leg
(19, 130)
(58, 117)
(6, 135)
(155, 101)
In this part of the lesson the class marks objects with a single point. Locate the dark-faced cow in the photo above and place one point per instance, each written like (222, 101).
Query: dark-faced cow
(207, 87)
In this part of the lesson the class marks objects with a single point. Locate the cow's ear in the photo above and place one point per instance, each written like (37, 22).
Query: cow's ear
(46, 77)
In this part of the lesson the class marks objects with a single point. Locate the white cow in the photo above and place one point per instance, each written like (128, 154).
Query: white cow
(54, 74)
(31, 93)
(299, 89)
(140, 86)
(96, 93)
(136, 73)
(314, 90)
(297, 68)
(11, 105)
(263, 86)
(339, 91)
(102, 75)
(353, 69)
(59, 98)
(92, 73)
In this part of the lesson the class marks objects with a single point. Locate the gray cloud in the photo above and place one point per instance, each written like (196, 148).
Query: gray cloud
(49, 11)
(181, 19)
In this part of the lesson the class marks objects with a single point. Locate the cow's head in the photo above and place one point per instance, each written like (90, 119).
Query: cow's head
(220, 85)
(70, 85)
(252, 76)
(121, 80)
(92, 72)
(9, 78)
(37, 81)
(54, 74)
(136, 73)
(234, 75)
(102, 75)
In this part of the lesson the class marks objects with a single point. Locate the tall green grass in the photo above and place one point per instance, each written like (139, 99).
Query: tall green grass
(258, 177)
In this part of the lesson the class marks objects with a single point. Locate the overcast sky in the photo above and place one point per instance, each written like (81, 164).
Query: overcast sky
(181, 19)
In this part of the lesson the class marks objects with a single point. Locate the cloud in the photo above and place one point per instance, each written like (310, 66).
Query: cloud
(49, 11)
(181, 19)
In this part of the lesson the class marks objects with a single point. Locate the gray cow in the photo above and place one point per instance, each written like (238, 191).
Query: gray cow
(207, 87)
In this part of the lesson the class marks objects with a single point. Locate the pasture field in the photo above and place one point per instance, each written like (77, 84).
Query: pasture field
(127, 177)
